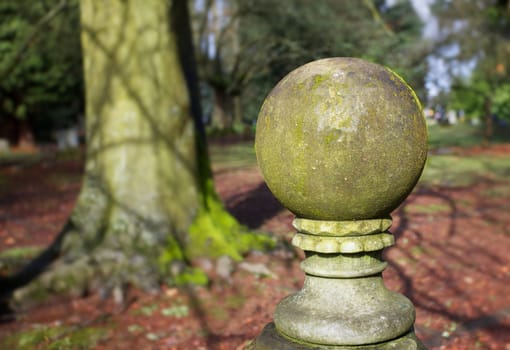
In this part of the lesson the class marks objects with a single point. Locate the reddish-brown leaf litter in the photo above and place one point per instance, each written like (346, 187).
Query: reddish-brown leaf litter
(451, 259)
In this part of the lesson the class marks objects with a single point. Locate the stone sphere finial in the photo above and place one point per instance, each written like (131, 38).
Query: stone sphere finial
(341, 139)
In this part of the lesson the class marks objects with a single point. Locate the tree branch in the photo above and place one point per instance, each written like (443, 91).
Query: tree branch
(18, 56)
(377, 16)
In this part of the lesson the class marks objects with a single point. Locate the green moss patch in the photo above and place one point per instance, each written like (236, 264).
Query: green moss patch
(13, 259)
(20, 253)
(59, 337)
(215, 233)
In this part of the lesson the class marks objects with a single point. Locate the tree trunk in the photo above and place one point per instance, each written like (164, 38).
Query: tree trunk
(147, 203)
(222, 115)
(238, 110)
(26, 141)
(488, 122)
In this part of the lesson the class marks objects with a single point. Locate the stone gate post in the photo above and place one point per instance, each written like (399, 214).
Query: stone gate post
(341, 142)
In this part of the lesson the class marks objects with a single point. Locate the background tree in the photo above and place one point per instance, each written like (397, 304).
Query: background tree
(217, 34)
(477, 31)
(147, 206)
(40, 68)
(245, 46)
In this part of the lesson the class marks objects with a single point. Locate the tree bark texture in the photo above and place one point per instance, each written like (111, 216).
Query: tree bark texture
(141, 184)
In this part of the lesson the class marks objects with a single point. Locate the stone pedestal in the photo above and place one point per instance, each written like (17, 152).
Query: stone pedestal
(271, 339)
(341, 143)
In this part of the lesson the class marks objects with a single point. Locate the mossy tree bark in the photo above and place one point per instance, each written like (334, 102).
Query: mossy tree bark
(147, 199)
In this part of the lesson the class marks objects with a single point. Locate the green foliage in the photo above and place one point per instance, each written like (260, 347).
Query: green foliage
(501, 101)
(41, 80)
(471, 95)
(389, 36)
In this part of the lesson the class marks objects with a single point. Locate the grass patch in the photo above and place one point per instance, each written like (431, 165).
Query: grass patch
(177, 311)
(433, 208)
(498, 192)
(58, 337)
(440, 169)
(218, 313)
(417, 251)
(69, 154)
(19, 158)
(235, 156)
(4, 182)
(462, 135)
(20, 253)
(14, 258)
(235, 301)
(62, 180)
(456, 171)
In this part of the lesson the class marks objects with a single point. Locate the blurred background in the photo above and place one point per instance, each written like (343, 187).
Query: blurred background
(453, 233)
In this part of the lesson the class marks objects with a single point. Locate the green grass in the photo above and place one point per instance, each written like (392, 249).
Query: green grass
(57, 337)
(14, 258)
(20, 253)
(19, 158)
(32, 158)
(235, 156)
(432, 208)
(444, 170)
(457, 171)
(462, 135)
(498, 192)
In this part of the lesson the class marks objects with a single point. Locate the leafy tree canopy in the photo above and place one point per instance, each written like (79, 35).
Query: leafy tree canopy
(40, 62)
(258, 42)
(477, 31)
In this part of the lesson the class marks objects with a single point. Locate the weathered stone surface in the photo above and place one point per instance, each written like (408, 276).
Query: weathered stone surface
(270, 339)
(341, 139)
(343, 265)
(328, 244)
(350, 311)
(341, 228)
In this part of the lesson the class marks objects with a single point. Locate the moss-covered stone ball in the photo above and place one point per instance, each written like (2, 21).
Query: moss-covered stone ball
(341, 139)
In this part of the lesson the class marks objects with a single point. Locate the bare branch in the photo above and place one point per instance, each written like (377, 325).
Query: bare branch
(377, 16)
